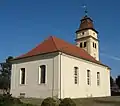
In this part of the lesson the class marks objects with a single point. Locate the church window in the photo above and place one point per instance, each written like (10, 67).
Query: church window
(88, 77)
(93, 44)
(81, 44)
(76, 76)
(98, 78)
(85, 44)
(42, 74)
(22, 76)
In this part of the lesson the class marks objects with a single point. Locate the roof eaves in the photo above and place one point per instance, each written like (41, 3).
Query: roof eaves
(33, 55)
(97, 62)
(86, 29)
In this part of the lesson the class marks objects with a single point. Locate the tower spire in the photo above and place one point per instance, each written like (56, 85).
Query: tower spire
(85, 10)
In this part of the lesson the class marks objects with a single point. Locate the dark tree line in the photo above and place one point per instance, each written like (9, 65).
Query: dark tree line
(5, 74)
(116, 81)
(115, 86)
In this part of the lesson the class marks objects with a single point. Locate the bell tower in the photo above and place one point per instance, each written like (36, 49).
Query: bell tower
(87, 37)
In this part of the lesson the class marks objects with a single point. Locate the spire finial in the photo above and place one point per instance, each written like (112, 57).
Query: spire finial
(85, 10)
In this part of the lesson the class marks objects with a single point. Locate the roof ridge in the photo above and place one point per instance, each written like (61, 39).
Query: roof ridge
(54, 42)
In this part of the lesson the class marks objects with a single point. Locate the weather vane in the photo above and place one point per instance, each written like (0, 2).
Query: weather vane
(85, 10)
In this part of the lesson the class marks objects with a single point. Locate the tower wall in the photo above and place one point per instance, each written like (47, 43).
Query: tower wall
(92, 45)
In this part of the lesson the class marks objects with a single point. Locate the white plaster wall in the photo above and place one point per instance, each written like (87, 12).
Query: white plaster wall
(93, 33)
(94, 51)
(90, 49)
(80, 35)
(32, 88)
(88, 32)
(63, 78)
(69, 89)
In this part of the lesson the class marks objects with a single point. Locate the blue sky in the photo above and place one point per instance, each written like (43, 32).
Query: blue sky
(25, 23)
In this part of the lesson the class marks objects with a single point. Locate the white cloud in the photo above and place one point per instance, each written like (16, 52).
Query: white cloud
(110, 56)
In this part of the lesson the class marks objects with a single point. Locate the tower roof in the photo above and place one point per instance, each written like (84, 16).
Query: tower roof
(86, 23)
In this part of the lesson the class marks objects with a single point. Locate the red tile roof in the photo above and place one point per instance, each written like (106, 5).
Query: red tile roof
(53, 44)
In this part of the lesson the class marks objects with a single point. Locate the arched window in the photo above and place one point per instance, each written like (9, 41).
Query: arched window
(93, 45)
(76, 75)
(81, 44)
(88, 77)
(22, 76)
(42, 74)
(98, 78)
(85, 44)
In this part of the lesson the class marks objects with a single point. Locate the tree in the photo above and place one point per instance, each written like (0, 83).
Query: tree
(118, 81)
(111, 81)
(5, 74)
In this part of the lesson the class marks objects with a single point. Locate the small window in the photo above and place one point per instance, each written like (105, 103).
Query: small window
(83, 33)
(85, 44)
(76, 76)
(98, 78)
(42, 74)
(93, 45)
(88, 77)
(22, 76)
(81, 44)
(22, 95)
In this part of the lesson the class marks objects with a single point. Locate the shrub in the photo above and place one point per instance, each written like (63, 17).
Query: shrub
(67, 102)
(49, 102)
(8, 100)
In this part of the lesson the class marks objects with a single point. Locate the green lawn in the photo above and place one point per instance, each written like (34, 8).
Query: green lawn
(33, 101)
(104, 101)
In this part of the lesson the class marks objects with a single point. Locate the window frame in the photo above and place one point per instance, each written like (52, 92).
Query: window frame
(85, 44)
(76, 75)
(88, 77)
(81, 44)
(83, 33)
(40, 80)
(21, 82)
(98, 78)
(93, 44)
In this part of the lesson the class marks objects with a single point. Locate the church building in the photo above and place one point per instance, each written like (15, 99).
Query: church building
(56, 68)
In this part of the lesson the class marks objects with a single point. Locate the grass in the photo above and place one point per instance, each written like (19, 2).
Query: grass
(33, 101)
(103, 101)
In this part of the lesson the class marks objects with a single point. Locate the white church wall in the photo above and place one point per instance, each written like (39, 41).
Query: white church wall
(32, 88)
(69, 89)
(63, 79)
